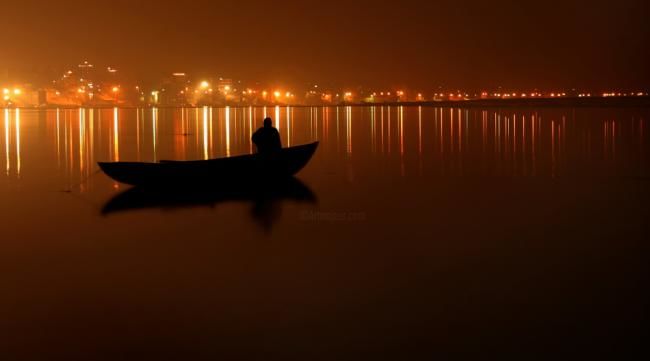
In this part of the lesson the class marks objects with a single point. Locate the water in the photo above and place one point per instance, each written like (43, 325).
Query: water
(457, 232)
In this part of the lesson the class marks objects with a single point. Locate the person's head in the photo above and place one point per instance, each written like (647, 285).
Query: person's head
(268, 122)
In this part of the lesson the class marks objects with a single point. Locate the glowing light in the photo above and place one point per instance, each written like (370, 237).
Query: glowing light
(116, 136)
(115, 89)
(205, 131)
(5, 91)
(277, 94)
(227, 131)
(7, 139)
(17, 91)
(204, 85)
(18, 141)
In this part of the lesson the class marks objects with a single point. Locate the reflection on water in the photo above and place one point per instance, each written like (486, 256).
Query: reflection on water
(408, 141)
(437, 223)
(12, 141)
(265, 198)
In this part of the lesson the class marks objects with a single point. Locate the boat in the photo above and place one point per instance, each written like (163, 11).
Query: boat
(244, 168)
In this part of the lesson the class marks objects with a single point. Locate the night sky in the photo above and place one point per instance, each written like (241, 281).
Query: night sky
(425, 44)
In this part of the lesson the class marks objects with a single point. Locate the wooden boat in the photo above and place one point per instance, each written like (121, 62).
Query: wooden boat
(251, 167)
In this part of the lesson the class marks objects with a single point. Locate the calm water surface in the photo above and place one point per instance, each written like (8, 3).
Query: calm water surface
(413, 231)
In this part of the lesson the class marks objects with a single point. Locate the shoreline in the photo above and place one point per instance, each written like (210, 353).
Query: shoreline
(564, 102)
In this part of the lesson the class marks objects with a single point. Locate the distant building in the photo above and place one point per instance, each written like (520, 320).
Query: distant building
(174, 90)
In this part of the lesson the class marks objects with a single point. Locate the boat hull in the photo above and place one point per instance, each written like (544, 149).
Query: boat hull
(254, 167)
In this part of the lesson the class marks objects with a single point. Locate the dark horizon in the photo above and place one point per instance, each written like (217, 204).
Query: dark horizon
(595, 45)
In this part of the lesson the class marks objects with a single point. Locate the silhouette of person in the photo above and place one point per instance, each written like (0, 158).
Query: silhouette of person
(267, 138)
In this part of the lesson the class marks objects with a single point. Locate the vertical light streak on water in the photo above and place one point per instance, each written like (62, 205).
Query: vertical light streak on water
(420, 130)
(466, 126)
(7, 141)
(381, 115)
(277, 117)
(250, 129)
(497, 132)
(288, 126)
(70, 144)
(58, 138)
(205, 132)
(65, 140)
(196, 128)
(311, 122)
(523, 133)
(451, 130)
(348, 123)
(533, 129)
(210, 133)
(116, 136)
(154, 131)
(420, 140)
(137, 132)
(82, 142)
(337, 130)
(523, 145)
(372, 129)
(442, 140)
(91, 136)
(401, 140)
(483, 130)
(388, 130)
(315, 123)
(401, 130)
(228, 131)
(460, 132)
(514, 138)
(18, 142)
(553, 148)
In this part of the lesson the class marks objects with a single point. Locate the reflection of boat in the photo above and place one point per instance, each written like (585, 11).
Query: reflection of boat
(286, 162)
(184, 197)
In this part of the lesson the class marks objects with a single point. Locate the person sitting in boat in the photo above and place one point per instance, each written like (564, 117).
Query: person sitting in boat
(267, 138)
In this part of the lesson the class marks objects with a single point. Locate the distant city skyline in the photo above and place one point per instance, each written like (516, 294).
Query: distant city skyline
(92, 84)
